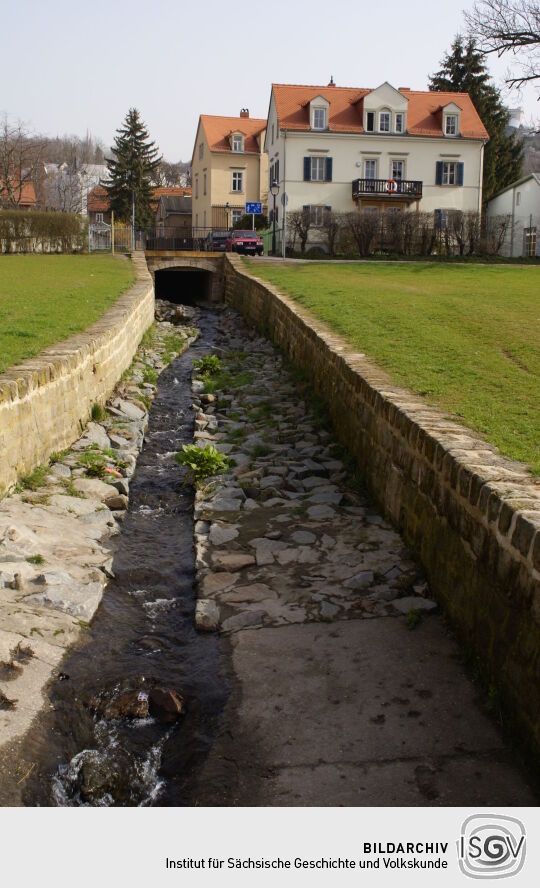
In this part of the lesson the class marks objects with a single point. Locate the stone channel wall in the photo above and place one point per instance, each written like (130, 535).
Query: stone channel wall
(472, 517)
(46, 401)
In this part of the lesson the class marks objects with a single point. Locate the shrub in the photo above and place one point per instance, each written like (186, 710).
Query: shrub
(98, 413)
(208, 365)
(34, 231)
(201, 462)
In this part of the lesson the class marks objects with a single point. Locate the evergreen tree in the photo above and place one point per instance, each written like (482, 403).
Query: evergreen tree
(133, 168)
(463, 70)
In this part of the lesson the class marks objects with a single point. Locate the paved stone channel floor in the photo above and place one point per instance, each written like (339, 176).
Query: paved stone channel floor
(347, 686)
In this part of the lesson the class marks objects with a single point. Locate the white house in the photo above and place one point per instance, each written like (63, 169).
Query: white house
(520, 201)
(379, 150)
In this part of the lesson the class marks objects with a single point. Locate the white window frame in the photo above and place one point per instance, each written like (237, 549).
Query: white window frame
(371, 162)
(237, 182)
(399, 122)
(236, 215)
(237, 143)
(397, 176)
(449, 172)
(99, 217)
(318, 165)
(316, 214)
(447, 119)
(319, 119)
(372, 130)
(518, 198)
(386, 114)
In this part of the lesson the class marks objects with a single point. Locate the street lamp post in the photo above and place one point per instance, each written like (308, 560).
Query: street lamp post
(274, 191)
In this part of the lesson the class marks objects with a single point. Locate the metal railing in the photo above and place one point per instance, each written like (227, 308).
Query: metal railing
(411, 188)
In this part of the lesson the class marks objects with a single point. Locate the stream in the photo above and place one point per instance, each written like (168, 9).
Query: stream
(142, 636)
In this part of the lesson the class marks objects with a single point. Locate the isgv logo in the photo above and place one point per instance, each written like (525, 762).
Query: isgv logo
(491, 846)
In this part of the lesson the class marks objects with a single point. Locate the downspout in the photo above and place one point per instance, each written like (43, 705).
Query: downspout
(513, 222)
(480, 177)
(283, 234)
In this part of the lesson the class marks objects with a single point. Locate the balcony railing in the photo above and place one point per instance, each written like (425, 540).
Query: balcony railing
(409, 188)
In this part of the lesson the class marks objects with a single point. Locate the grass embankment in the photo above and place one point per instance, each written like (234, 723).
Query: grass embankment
(467, 338)
(44, 299)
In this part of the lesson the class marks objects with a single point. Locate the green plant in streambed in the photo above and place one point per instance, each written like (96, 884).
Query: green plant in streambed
(237, 436)
(148, 337)
(208, 365)
(57, 456)
(173, 345)
(36, 479)
(98, 413)
(201, 462)
(35, 559)
(413, 618)
(70, 488)
(226, 380)
(150, 375)
(260, 450)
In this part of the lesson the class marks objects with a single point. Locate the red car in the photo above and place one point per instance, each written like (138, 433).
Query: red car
(246, 242)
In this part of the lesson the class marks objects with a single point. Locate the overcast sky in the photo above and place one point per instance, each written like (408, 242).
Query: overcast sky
(66, 67)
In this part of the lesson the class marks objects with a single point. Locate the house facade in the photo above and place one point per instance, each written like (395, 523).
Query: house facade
(229, 168)
(173, 216)
(380, 150)
(521, 202)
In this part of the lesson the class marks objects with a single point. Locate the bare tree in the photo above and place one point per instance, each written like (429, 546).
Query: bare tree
(364, 229)
(332, 226)
(298, 226)
(509, 26)
(21, 156)
(62, 191)
(495, 230)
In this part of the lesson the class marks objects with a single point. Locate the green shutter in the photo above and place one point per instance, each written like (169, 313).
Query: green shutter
(307, 169)
(460, 171)
(438, 172)
(328, 169)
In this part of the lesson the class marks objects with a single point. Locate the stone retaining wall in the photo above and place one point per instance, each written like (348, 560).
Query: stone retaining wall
(46, 401)
(472, 517)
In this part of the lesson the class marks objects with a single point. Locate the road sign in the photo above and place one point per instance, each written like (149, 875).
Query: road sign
(254, 208)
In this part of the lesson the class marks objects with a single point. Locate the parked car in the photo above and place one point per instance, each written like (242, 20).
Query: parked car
(217, 241)
(246, 242)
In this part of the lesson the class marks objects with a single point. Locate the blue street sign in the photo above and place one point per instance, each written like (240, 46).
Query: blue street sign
(254, 208)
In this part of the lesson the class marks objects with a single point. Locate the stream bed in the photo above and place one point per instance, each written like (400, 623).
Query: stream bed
(142, 636)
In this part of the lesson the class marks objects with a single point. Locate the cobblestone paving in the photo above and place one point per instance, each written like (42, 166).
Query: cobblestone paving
(346, 686)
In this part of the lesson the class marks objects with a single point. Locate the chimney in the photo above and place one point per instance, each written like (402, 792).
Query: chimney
(244, 112)
(331, 80)
(401, 88)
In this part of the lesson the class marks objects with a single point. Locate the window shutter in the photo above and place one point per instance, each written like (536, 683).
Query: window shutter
(438, 173)
(328, 170)
(307, 169)
(460, 169)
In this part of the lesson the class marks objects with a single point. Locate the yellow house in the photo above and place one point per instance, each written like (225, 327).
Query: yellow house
(229, 168)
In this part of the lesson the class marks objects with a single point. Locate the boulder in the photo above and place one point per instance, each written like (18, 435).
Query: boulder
(127, 704)
(165, 704)
(206, 615)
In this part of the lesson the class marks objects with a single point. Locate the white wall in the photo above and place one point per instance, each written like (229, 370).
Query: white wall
(522, 202)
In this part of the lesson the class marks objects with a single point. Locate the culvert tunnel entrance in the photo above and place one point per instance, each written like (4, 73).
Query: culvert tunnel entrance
(183, 285)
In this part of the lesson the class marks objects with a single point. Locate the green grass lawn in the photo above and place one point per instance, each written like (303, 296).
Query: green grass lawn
(44, 299)
(465, 337)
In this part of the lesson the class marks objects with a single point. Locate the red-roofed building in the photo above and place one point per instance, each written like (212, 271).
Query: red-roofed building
(99, 207)
(381, 149)
(18, 197)
(229, 168)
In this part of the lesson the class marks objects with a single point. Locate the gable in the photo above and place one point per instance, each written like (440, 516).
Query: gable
(385, 96)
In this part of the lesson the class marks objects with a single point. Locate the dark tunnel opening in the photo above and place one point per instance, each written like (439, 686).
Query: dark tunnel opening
(183, 285)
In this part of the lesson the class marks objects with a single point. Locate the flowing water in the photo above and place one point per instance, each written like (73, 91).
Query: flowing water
(142, 636)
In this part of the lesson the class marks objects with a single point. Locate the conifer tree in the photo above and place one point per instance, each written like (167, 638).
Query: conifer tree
(133, 169)
(463, 70)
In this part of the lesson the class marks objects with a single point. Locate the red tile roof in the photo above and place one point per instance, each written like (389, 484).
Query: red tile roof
(346, 109)
(218, 130)
(26, 194)
(98, 199)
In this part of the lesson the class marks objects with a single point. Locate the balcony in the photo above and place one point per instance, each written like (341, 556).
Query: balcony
(406, 189)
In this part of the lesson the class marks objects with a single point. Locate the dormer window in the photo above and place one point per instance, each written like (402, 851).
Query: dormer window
(450, 125)
(370, 122)
(319, 118)
(237, 142)
(399, 123)
(384, 121)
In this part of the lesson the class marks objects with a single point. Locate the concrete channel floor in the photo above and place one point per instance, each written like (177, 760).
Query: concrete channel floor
(362, 712)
